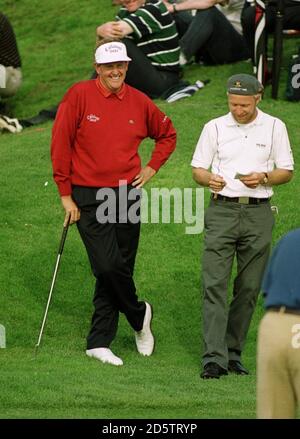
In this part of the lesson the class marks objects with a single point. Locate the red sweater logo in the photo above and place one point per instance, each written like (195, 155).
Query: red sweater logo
(93, 118)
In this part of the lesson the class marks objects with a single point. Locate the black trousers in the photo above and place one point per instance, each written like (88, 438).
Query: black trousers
(111, 247)
(210, 36)
(145, 77)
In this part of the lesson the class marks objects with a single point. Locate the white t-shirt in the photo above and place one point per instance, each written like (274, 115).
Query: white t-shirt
(230, 148)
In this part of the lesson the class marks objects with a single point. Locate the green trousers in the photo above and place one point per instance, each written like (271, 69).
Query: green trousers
(244, 231)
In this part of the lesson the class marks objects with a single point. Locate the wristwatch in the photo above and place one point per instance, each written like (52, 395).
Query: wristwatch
(266, 178)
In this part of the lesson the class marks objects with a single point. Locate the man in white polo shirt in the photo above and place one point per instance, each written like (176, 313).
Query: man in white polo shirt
(239, 156)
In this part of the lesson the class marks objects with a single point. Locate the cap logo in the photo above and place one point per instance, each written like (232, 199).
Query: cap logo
(244, 84)
(237, 84)
(113, 49)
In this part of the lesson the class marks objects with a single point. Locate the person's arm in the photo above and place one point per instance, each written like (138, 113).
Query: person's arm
(111, 29)
(125, 28)
(281, 154)
(274, 178)
(191, 4)
(202, 159)
(279, 176)
(143, 176)
(71, 209)
(205, 178)
(63, 134)
(142, 22)
(161, 129)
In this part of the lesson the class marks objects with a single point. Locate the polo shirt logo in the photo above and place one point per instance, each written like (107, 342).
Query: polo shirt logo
(131, 121)
(93, 118)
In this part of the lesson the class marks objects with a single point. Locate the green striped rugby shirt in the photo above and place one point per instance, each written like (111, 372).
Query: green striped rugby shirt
(154, 32)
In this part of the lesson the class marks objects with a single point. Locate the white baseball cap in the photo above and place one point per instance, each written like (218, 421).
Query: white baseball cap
(111, 52)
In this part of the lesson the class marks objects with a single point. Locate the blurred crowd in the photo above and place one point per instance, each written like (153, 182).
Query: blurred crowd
(163, 38)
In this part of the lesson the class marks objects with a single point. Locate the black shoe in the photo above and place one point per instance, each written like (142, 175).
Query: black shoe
(213, 370)
(236, 366)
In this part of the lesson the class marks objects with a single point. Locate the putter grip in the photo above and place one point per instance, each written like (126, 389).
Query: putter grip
(63, 238)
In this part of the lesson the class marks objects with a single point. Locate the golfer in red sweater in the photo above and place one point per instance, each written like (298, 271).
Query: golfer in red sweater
(96, 135)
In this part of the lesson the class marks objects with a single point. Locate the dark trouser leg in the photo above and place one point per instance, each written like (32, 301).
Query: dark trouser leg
(144, 76)
(291, 20)
(248, 24)
(253, 250)
(221, 231)
(182, 20)
(105, 318)
(210, 34)
(111, 249)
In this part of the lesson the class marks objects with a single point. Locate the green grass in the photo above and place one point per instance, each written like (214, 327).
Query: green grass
(56, 43)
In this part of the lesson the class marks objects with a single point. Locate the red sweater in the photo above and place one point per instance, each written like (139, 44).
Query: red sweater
(96, 136)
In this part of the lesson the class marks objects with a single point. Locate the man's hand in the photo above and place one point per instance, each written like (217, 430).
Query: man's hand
(169, 6)
(71, 209)
(111, 29)
(143, 177)
(253, 180)
(216, 183)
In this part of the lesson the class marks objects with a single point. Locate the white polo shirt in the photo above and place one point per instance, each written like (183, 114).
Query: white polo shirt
(229, 148)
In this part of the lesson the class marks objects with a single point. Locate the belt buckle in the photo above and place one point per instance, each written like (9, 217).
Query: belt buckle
(244, 200)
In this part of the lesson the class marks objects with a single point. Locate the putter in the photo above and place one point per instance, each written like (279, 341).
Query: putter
(60, 250)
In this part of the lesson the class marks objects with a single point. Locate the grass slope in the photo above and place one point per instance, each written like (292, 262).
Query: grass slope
(56, 41)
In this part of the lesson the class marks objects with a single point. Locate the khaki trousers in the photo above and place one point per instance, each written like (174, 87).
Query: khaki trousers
(278, 366)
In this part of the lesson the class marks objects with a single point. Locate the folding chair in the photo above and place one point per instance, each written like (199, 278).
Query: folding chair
(279, 34)
(261, 44)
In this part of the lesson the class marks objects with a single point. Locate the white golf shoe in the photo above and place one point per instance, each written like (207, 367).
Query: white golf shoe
(144, 339)
(105, 355)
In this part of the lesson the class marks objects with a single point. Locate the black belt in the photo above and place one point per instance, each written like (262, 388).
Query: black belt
(284, 310)
(241, 200)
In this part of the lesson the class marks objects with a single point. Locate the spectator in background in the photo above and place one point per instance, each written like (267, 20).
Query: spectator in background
(182, 18)
(10, 72)
(278, 355)
(291, 18)
(214, 34)
(151, 38)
